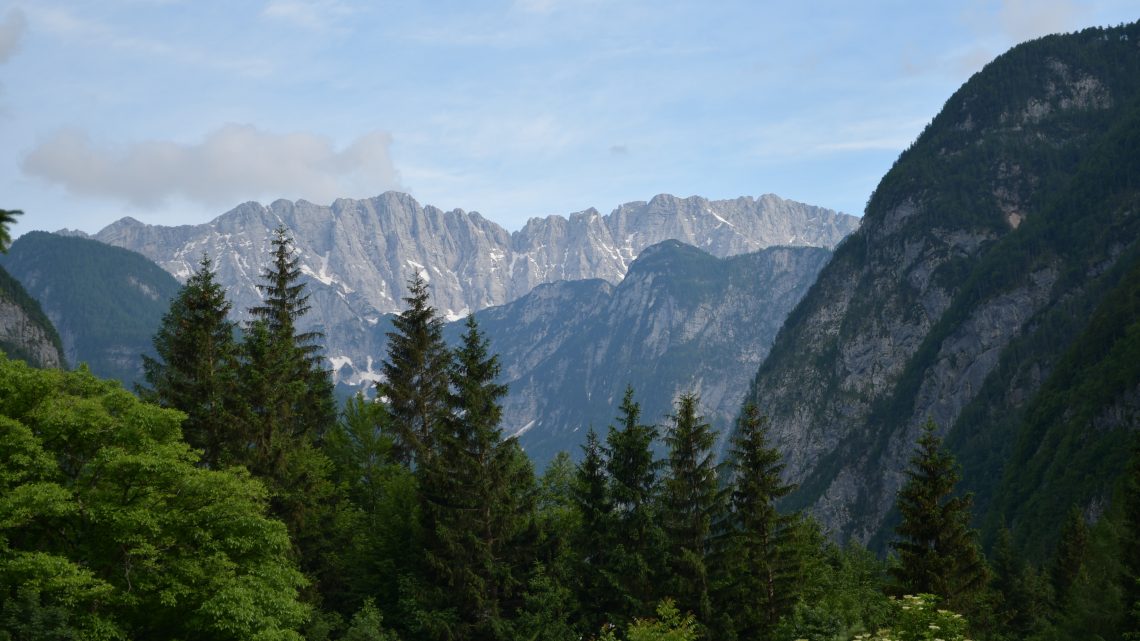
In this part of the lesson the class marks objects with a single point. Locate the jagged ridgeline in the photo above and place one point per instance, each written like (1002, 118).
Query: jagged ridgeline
(989, 289)
(106, 302)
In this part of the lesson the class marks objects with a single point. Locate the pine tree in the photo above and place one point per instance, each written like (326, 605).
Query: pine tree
(289, 406)
(197, 367)
(938, 552)
(592, 540)
(475, 503)
(759, 573)
(692, 501)
(1070, 555)
(415, 385)
(1021, 595)
(302, 408)
(639, 541)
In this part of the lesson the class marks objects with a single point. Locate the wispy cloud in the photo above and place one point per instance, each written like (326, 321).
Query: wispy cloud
(233, 163)
(11, 33)
(314, 15)
(68, 25)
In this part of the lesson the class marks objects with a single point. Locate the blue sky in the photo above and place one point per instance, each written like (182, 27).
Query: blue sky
(175, 111)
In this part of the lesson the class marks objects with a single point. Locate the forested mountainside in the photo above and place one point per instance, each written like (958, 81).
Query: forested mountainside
(105, 302)
(995, 259)
(357, 255)
(680, 321)
(26, 333)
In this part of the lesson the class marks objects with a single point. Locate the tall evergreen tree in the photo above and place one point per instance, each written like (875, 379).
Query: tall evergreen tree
(197, 367)
(637, 534)
(593, 539)
(415, 384)
(474, 509)
(302, 408)
(938, 552)
(759, 571)
(289, 406)
(1070, 555)
(691, 501)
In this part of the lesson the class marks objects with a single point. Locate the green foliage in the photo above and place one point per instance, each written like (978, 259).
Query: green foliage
(105, 514)
(916, 617)
(839, 590)
(759, 577)
(938, 552)
(196, 369)
(691, 501)
(1070, 555)
(366, 625)
(7, 218)
(415, 385)
(669, 625)
(477, 501)
(596, 584)
(637, 536)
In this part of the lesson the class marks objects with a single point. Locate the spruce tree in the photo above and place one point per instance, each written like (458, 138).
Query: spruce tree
(938, 551)
(197, 367)
(638, 538)
(1070, 556)
(593, 539)
(475, 504)
(415, 385)
(691, 501)
(304, 408)
(289, 406)
(758, 577)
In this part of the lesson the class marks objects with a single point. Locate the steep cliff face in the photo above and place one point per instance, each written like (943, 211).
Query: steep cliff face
(681, 320)
(980, 256)
(358, 254)
(25, 331)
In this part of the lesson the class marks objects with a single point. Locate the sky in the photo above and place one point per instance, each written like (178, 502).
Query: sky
(174, 112)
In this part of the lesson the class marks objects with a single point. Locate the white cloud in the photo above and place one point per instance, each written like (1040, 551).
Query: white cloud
(232, 164)
(11, 32)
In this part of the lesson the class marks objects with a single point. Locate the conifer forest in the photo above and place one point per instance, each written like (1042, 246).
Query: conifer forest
(230, 499)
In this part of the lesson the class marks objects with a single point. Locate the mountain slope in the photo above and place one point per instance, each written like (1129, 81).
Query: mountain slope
(681, 320)
(981, 255)
(25, 331)
(105, 301)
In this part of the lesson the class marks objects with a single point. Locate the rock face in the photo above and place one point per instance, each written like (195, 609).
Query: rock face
(681, 320)
(358, 254)
(106, 302)
(25, 331)
(980, 256)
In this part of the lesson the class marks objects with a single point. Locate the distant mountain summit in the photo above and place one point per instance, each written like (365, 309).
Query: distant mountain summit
(358, 254)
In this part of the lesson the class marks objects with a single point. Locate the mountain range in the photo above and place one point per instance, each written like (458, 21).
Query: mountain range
(357, 255)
